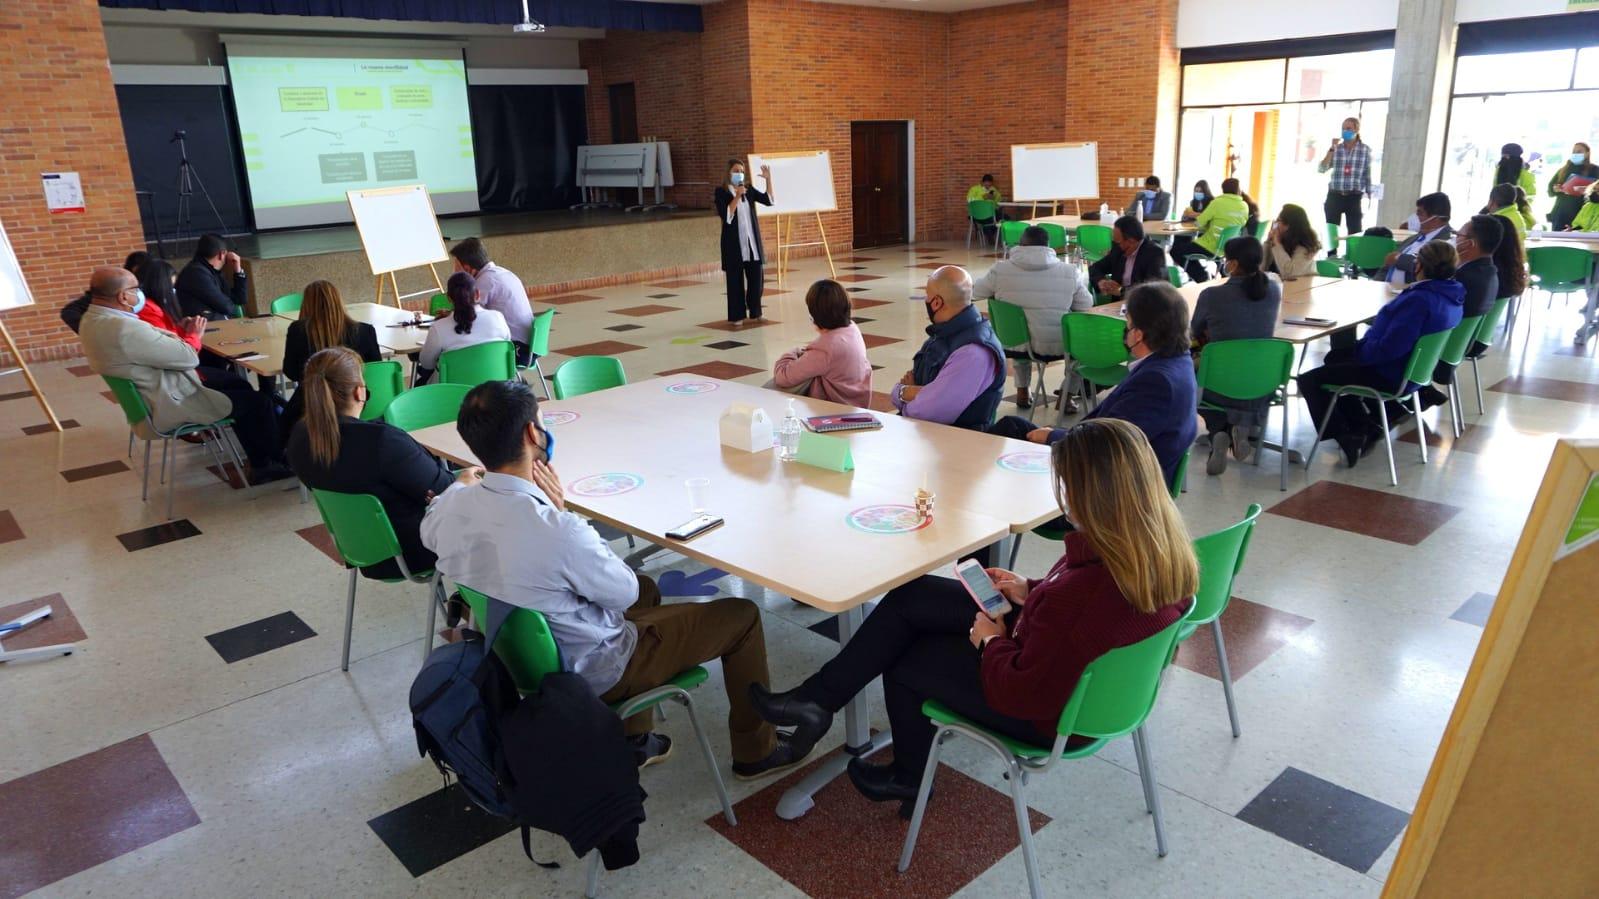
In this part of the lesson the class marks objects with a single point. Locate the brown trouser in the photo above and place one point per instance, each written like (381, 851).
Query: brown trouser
(682, 635)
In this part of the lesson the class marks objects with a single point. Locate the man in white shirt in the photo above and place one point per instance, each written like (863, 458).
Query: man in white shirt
(1432, 223)
(511, 538)
(498, 289)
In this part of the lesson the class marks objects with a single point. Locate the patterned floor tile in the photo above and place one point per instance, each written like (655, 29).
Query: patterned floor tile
(1329, 820)
(862, 303)
(275, 632)
(860, 320)
(109, 396)
(726, 345)
(94, 471)
(168, 532)
(9, 529)
(620, 328)
(1473, 611)
(1472, 439)
(438, 828)
(61, 627)
(566, 299)
(856, 289)
(855, 278)
(748, 325)
(1549, 389)
(81, 371)
(651, 309)
(673, 285)
(969, 826)
(16, 395)
(662, 296)
(877, 340)
(929, 265)
(317, 535)
(67, 424)
(725, 371)
(229, 476)
(97, 807)
(599, 348)
(1251, 631)
(1374, 513)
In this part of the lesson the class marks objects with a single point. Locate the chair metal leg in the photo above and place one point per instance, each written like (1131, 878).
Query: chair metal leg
(349, 620)
(1138, 754)
(710, 761)
(543, 383)
(1282, 447)
(591, 881)
(130, 443)
(1147, 771)
(172, 479)
(1015, 550)
(921, 801)
(1388, 443)
(435, 599)
(1421, 426)
(1454, 411)
(166, 444)
(1018, 798)
(1226, 677)
(145, 495)
(1315, 445)
(1476, 380)
(631, 544)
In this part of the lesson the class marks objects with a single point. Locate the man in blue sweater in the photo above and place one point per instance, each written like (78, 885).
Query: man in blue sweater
(1159, 395)
(1430, 305)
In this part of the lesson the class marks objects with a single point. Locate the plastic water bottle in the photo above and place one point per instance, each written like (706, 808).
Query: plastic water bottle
(789, 435)
(1104, 212)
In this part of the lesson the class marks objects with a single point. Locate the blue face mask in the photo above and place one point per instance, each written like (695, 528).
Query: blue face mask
(1199, 197)
(549, 446)
(139, 303)
(737, 178)
(1579, 158)
(1348, 135)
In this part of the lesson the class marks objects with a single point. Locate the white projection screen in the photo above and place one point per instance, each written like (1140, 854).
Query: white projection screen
(317, 120)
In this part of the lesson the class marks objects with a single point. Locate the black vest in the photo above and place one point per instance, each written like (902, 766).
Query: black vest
(944, 338)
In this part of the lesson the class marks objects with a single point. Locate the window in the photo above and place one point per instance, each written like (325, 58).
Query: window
(1227, 83)
(1587, 68)
(1346, 76)
(1505, 73)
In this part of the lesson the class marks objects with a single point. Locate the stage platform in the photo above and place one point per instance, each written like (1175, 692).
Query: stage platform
(552, 252)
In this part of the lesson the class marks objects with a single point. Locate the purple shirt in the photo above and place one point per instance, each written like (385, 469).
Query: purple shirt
(502, 291)
(966, 373)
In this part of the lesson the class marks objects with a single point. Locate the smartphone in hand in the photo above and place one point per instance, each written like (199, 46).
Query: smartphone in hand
(982, 589)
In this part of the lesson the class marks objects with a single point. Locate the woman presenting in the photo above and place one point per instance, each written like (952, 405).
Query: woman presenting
(742, 256)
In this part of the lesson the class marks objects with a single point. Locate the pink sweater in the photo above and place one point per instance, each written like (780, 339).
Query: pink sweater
(835, 362)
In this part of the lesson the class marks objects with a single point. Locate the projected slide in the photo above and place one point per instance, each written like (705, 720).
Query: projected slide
(314, 128)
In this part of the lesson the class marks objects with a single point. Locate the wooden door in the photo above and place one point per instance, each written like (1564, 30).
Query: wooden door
(880, 182)
(624, 114)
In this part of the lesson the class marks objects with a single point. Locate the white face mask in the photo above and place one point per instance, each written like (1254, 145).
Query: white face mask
(737, 178)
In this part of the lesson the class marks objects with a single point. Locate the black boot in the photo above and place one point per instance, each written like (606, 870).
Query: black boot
(879, 783)
(809, 719)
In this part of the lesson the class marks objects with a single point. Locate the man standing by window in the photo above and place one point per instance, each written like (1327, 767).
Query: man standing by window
(1349, 160)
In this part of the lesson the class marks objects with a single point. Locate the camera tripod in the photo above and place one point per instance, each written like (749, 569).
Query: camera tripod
(188, 179)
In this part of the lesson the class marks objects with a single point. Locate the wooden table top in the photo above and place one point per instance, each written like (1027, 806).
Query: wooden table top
(1151, 229)
(382, 317)
(1345, 302)
(235, 337)
(787, 524)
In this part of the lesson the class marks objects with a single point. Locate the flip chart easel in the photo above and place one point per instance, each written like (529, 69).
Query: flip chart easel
(807, 189)
(399, 231)
(14, 294)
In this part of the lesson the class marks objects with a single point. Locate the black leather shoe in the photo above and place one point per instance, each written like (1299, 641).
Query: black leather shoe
(879, 784)
(785, 757)
(1351, 447)
(809, 720)
(1432, 396)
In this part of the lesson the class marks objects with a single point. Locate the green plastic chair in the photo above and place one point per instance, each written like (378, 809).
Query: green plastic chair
(1260, 231)
(1332, 237)
(1369, 253)
(1094, 343)
(586, 374)
(1331, 268)
(385, 380)
(1179, 482)
(1226, 234)
(1250, 370)
(1423, 359)
(1485, 337)
(425, 406)
(1010, 233)
(289, 302)
(1057, 235)
(439, 303)
(1221, 557)
(1174, 275)
(539, 344)
(1095, 241)
(1453, 353)
(364, 536)
(137, 414)
(1010, 327)
(480, 362)
(1112, 699)
(979, 211)
(529, 652)
(1559, 270)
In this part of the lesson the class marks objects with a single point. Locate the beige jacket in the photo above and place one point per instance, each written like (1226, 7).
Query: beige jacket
(159, 363)
(1298, 265)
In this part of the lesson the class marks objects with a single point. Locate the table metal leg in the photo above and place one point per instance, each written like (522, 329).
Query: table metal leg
(858, 739)
(1295, 457)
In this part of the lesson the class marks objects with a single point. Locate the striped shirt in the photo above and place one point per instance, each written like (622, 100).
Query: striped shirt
(1351, 168)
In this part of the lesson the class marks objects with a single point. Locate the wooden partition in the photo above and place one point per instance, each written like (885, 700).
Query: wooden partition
(1511, 805)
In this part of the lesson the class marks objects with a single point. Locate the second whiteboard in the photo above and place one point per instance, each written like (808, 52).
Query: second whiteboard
(804, 181)
(1055, 171)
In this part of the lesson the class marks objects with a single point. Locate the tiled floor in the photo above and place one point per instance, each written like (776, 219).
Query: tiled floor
(154, 762)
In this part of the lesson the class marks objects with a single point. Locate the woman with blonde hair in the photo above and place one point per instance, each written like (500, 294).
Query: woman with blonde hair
(323, 323)
(1128, 573)
(333, 449)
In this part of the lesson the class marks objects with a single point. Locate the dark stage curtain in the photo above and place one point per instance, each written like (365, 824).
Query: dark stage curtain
(525, 138)
(150, 114)
(621, 14)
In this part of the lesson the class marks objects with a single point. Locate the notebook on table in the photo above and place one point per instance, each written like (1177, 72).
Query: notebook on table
(853, 421)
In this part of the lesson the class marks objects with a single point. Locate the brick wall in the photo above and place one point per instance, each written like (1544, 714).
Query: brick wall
(60, 115)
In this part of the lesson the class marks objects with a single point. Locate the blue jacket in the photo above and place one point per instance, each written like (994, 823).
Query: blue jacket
(1425, 307)
(944, 338)
(1160, 396)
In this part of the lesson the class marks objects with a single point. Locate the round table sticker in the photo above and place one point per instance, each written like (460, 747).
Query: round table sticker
(887, 519)
(556, 419)
(689, 388)
(1024, 462)
(611, 483)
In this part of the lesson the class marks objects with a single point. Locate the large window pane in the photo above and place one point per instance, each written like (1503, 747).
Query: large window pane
(1344, 76)
(1588, 67)
(1544, 124)
(1224, 83)
(1498, 73)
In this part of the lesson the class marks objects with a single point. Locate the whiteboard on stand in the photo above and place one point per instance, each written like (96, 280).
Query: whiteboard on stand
(398, 227)
(1054, 171)
(804, 181)
(14, 291)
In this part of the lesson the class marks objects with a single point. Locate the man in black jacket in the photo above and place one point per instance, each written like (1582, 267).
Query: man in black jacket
(202, 289)
(1114, 274)
(1475, 244)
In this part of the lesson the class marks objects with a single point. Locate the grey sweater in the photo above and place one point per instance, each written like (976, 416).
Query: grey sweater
(1225, 312)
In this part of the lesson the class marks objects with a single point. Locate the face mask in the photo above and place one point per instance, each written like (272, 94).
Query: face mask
(738, 178)
(929, 307)
(1348, 135)
(1126, 331)
(1579, 158)
(139, 303)
(549, 446)
(1198, 197)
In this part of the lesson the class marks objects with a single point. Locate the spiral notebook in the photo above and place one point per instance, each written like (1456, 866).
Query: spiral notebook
(854, 421)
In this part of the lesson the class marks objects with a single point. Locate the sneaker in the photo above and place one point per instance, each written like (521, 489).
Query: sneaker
(1071, 407)
(1024, 400)
(1243, 447)
(1217, 462)
(785, 757)
(649, 749)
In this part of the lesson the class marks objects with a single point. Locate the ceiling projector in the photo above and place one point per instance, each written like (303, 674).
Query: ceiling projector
(527, 25)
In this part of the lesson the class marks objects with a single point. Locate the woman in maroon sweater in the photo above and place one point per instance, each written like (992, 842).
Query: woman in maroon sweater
(1128, 572)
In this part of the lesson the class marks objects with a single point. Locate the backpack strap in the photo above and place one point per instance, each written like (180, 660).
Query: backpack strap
(527, 849)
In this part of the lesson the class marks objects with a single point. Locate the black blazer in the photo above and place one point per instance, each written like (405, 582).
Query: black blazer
(297, 347)
(732, 256)
(203, 291)
(1482, 285)
(1149, 266)
(377, 458)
